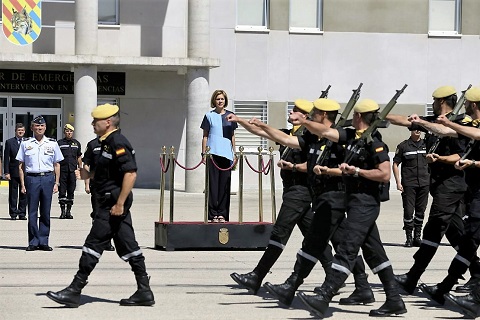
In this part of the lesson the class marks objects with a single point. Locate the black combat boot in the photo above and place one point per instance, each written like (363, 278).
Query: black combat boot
(250, 281)
(434, 293)
(393, 305)
(362, 294)
(70, 296)
(468, 286)
(68, 214)
(409, 242)
(318, 304)
(417, 236)
(143, 296)
(406, 282)
(62, 211)
(469, 304)
(285, 292)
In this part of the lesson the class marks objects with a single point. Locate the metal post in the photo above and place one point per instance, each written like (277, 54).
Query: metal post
(172, 180)
(260, 192)
(207, 158)
(162, 182)
(272, 186)
(240, 185)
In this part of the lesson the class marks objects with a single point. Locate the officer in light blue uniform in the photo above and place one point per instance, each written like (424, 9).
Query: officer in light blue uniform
(39, 159)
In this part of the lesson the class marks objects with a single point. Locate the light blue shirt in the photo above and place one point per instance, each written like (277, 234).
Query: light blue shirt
(39, 156)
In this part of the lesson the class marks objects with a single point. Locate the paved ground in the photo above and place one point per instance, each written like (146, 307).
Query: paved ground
(187, 284)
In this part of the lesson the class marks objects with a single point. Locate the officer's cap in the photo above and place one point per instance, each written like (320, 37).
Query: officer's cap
(325, 104)
(443, 92)
(366, 105)
(473, 94)
(69, 127)
(39, 120)
(304, 105)
(105, 111)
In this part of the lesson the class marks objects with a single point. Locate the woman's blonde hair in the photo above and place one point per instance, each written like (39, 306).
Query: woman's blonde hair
(215, 94)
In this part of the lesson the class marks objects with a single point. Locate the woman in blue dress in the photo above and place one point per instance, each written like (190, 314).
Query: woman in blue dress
(219, 135)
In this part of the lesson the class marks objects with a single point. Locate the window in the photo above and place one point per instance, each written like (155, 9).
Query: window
(248, 110)
(252, 15)
(306, 15)
(445, 17)
(107, 100)
(429, 109)
(108, 12)
(290, 106)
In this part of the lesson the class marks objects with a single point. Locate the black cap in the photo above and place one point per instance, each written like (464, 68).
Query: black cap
(39, 120)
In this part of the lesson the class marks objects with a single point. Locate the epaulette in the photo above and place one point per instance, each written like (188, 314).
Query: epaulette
(463, 119)
(466, 119)
(51, 139)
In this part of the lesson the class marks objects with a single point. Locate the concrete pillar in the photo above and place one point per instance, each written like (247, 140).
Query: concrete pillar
(85, 100)
(86, 43)
(198, 92)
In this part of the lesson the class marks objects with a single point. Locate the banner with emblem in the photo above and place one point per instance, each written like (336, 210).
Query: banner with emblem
(22, 20)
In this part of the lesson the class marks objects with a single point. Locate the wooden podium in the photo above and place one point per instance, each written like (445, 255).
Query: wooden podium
(213, 236)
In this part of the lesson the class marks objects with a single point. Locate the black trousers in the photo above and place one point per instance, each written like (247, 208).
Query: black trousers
(414, 200)
(107, 227)
(219, 188)
(68, 183)
(359, 230)
(446, 212)
(327, 225)
(17, 201)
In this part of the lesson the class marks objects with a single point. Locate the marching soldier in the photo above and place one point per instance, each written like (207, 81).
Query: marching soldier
(469, 242)
(447, 185)
(72, 153)
(362, 176)
(296, 205)
(114, 177)
(414, 184)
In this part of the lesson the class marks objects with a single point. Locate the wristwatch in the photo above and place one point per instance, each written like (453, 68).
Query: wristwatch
(294, 168)
(357, 170)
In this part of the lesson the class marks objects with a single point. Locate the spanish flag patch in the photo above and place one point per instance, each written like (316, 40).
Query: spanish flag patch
(379, 149)
(120, 151)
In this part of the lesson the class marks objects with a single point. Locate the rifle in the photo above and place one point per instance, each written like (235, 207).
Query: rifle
(366, 136)
(471, 145)
(341, 122)
(452, 116)
(299, 132)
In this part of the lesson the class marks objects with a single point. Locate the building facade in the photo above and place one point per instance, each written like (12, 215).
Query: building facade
(161, 59)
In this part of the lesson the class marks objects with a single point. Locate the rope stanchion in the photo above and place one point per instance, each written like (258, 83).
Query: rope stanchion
(240, 186)
(263, 168)
(185, 168)
(172, 180)
(224, 169)
(207, 184)
(162, 181)
(260, 186)
(272, 187)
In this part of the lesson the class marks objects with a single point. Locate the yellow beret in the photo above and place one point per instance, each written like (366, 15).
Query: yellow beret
(366, 105)
(443, 92)
(104, 111)
(69, 127)
(473, 94)
(325, 104)
(304, 105)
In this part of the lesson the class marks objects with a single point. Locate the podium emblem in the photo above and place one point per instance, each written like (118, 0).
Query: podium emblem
(22, 20)
(223, 235)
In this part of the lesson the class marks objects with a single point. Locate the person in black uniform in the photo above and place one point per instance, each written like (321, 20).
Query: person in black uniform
(114, 177)
(369, 166)
(447, 186)
(296, 205)
(328, 204)
(72, 152)
(469, 242)
(89, 161)
(17, 201)
(414, 184)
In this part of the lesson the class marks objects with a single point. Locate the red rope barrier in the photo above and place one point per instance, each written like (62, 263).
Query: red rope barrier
(185, 168)
(164, 170)
(226, 169)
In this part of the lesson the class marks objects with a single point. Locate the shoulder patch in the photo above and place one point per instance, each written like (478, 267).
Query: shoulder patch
(379, 149)
(120, 151)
